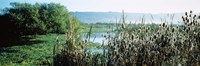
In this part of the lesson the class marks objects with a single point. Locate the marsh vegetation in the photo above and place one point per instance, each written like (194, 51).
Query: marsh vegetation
(38, 34)
(163, 45)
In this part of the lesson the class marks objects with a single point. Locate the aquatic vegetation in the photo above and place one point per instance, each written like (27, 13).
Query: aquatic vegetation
(165, 45)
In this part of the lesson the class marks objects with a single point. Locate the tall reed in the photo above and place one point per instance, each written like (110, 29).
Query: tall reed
(165, 45)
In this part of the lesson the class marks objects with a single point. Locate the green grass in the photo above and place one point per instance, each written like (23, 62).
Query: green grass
(30, 54)
(33, 52)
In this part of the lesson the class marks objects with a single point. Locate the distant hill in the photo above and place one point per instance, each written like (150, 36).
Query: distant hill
(94, 17)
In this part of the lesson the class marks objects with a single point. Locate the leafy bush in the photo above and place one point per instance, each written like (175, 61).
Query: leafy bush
(32, 19)
(28, 19)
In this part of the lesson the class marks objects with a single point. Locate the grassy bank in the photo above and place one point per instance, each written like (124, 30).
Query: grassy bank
(37, 51)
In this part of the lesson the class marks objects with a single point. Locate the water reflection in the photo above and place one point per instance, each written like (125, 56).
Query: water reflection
(98, 38)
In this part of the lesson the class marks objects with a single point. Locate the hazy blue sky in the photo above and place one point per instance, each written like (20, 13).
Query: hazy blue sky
(139, 6)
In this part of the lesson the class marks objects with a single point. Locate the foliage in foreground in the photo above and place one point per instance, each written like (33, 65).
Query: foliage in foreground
(166, 46)
(38, 50)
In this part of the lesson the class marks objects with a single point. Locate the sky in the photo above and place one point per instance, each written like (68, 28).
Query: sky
(134, 6)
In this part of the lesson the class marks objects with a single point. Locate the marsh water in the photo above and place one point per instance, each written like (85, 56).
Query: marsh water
(98, 38)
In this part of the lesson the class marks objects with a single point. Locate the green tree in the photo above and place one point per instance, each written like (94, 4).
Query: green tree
(39, 18)
(31, 19)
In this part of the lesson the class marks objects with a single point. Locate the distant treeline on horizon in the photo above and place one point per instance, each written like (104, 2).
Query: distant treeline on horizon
(113, 17)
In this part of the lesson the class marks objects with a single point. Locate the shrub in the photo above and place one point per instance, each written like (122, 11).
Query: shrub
(32, 19)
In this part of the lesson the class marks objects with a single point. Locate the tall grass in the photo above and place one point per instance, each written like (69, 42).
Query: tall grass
(165, 45)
